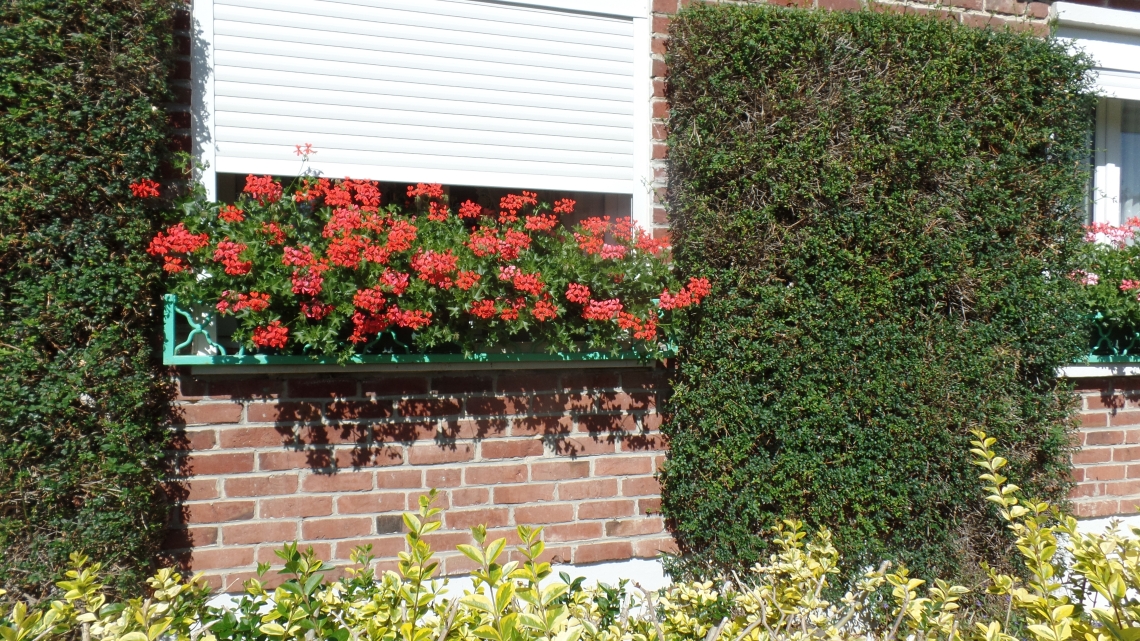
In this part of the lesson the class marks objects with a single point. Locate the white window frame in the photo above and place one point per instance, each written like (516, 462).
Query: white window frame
(203, 98)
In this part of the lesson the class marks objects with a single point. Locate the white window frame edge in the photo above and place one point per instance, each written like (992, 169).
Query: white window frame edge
(642, 206)
(623, 8)
(1106, 174)
(203, 140)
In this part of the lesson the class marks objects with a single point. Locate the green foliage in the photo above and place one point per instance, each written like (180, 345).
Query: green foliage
(81, 84)
(1077, 586)
(888, 207)
(321, 267)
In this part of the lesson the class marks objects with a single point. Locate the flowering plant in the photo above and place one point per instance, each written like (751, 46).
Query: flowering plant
(1111, 279)
(324, 267)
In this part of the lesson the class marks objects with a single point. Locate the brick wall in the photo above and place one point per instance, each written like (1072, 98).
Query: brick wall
(998, 14)
(1107, 467)
(333, 462)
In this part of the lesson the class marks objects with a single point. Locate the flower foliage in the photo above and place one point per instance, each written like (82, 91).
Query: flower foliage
(323, 267)
(1110, 278)
(1079, 586)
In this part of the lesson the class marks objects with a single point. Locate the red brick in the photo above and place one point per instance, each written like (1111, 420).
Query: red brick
(641, 379)
(614, 401)
(590, 380)
(660, 109)
(596, 423)
(644, 443)
(526, 382)
(206, 413)
(218, 511)
(635, 527)
(1095, 508)
(515, 448)
(191, 388)
(560, 402)
(189, 440)
(1121, 488)
(241, 437)
(190, 537)
(245, 388)
(462, 384)
(640, 486)
(295, 506)
(529, 493)
(1105, 473)
(660, 70)
(605, 509)
(1121, 454)
(657, 45)
(261, 485)
(1106, 401)
(1109, 437)
(544, 513)
(541, 425)
(446, 541)
(649, 506)
(623, 465)
(425, 454)
(609, 551)
(1124, 418)
(650, 548)
(497, 405)
(588, 489)
(1077, 474)
(435, 478)
(219, 559)
(664, 6)
(382, 547)
(470, 496)
(581, 531)
(404, 432)
(428, 406)
(394, 386)
(196, 489)
(337, 482)
(558, 470)
(282, 412)
(1131, 436)
(399, 479)
(495, 474)
(336, 528)
(457, 564)
(295, 459)
(467, 519)
(364, 456)
(264, 532)
(1090, 419)
(351, 410)
(371, 503)
(322, 388)
(227, 463)
(839, 5)
(583, 446)
(1084, 490)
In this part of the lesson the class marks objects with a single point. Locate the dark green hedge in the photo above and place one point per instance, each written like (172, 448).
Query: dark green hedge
(889, 207)
(81, 401)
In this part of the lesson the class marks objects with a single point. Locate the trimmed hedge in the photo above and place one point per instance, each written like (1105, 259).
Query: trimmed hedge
(81, 398)
(888, 207)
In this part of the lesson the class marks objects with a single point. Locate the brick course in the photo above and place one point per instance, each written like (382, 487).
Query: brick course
(1106, 468)
(333, 460)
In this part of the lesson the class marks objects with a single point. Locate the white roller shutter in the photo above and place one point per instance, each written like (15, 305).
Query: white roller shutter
(461, 92)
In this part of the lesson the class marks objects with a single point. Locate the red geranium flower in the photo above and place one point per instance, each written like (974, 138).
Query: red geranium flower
(273, 335)
(263, 188)
(145, 188)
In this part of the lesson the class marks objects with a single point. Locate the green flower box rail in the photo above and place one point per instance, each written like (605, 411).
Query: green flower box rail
(1112, 344)
(176, 344)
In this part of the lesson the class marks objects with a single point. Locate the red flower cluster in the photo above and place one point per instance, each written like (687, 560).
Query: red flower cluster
(511, 309)
(370, 300)
(394, 282)
(263, 188)
(233, 302)
(644, 330)
(431, 191)
(401, 236)
(231, 214)
(438, 212)
(276, 236)
(345, 193)
(486, 242)
(613, 252)
(176, 240)
(527, 283)
(436, 267)
(650, 245)
(511, 204)
(466, 280)
(273, 335)
(564, 206)
(309, 280)
(541, 222)
(145, 188)
(691, 294)
(484, 309)
(316, 311)
(592, 238)
(544, 310)
(470, 210)
(298, 257)
(602, 310)
(576, 293)
(346, 251)
(228, 254)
